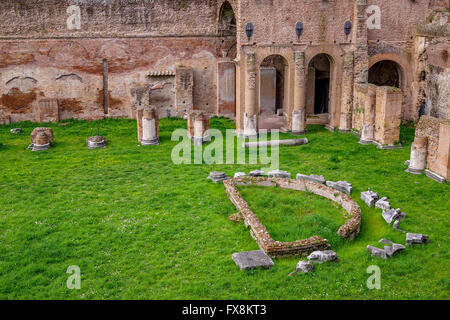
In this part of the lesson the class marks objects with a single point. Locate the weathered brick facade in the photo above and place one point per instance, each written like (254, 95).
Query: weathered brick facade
(93, 59)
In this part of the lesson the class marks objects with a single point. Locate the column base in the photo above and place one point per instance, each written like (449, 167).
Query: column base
(299, 133)
(365, 142)
(150, 142)
(344, 130)
(414, 171)
(43, 147)
(329, 127)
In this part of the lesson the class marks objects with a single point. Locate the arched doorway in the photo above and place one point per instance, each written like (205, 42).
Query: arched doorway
(272, 91)
(272, 79)
(385, 73)
(226, 69)
(319, 86)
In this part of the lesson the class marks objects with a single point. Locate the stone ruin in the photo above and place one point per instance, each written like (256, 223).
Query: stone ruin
(41, 139)
(430, 151)
(96, 142)
(301, 247)
(148, 126)
(378, 115)
(198, 127)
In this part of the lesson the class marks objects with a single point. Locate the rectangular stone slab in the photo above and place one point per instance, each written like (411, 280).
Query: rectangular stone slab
(252, 260)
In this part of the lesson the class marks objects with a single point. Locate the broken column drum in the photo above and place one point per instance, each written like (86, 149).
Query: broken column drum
(150, 127)
(41, 138)
(418, 160)
(198, 127)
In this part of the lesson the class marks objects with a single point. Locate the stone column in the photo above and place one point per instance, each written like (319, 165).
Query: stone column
(347, 93)
(368, 127)
(299, 112)
(150, 134)
(418, 160)
(251, 112)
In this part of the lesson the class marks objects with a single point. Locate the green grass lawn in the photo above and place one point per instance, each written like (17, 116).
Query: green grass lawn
(140, 227)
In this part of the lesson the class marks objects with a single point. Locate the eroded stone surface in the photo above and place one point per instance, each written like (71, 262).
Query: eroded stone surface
(252, 259)
(217, 176)
(239, 174)
(303, 267)
(96, 142)
(312, 177)
(383, 204)
(416, 238)
(323, 256)
(256, 173)
(369, 197)
(279, 174)
(343, 186)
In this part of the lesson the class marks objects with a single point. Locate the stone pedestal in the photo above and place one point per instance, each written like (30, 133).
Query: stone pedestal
(298, 122)
(198, 127)
(418, 160)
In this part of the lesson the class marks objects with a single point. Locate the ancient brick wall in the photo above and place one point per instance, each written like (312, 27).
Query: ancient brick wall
(45, 54)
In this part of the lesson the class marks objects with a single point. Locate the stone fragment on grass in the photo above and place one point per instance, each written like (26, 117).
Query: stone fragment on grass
(252, 259)
(217, 176)
(256, 173)
(323, 256)
(390, 215)
(279, 174)
(342, 186)
(383, 204)
(416, 238)
(377, 252)
(369, 197)
(304, 267)
(96, 142)
(16, 130)
(312, 177)
(239, 174)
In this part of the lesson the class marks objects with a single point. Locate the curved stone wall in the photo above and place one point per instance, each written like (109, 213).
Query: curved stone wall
(301, 247)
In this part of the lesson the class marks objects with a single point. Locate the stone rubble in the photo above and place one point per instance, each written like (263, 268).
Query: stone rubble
(388, 252)
(416, 238)
(256, 173)
(240, 174)
(342, 186)
(279, 174)
(304, 267)
(383, 204)
(312, 177)
(323, 256)
(218, 176)
(369, 197)
(16, 130)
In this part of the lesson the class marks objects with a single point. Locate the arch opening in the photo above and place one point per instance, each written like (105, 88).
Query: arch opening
(319, 85)
(385, 73)
(273, 73)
